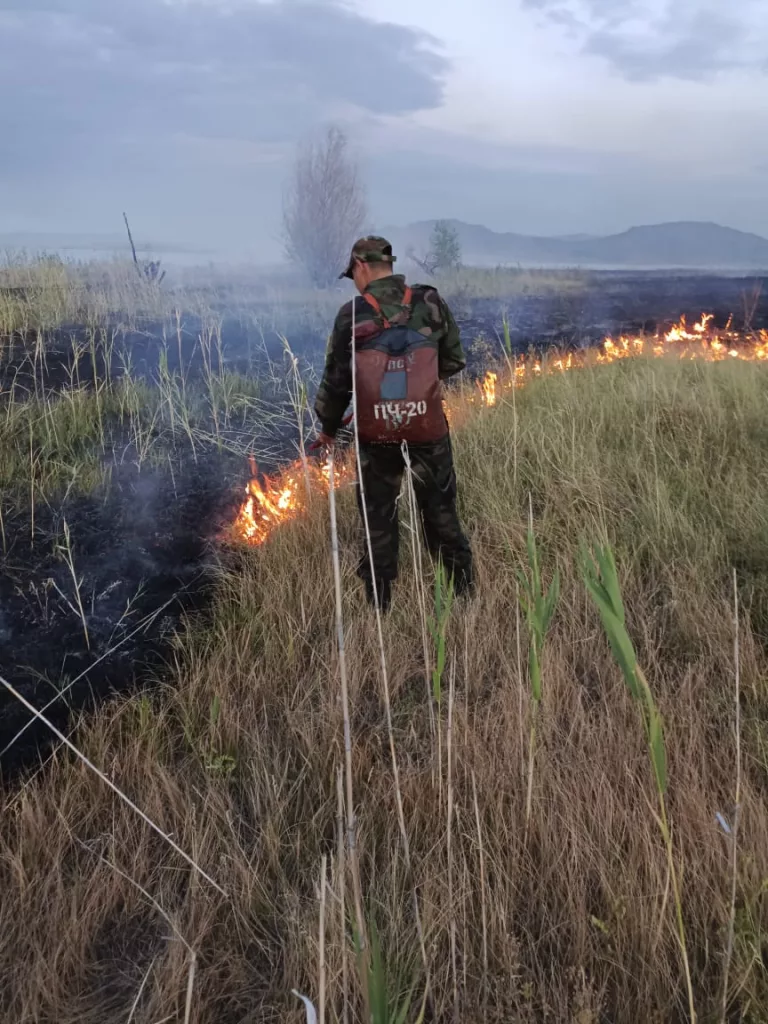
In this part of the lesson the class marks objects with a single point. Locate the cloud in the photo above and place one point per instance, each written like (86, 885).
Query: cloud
(186, 113)
(91, 79)
(647, 39)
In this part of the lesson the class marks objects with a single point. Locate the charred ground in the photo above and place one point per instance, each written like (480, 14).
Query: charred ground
(143, 555)
(111, 507)
(145, 498)
(617, 303)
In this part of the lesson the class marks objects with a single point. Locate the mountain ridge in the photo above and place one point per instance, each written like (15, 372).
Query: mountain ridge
(666, 245)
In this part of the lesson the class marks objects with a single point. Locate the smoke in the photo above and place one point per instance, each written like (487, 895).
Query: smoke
(142, 556)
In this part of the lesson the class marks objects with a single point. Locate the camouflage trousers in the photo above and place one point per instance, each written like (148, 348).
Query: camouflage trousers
(434, 483)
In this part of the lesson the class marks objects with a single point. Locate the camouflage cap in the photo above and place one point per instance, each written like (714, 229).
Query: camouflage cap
(371, 249)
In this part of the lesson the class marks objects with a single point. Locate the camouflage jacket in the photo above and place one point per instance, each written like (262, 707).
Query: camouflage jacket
(429, 315)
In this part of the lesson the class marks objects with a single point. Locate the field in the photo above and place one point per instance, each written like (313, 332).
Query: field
(544, 886)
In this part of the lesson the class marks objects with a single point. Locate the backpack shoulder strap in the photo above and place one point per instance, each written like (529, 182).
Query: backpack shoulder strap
(404, 315)
(373, 302)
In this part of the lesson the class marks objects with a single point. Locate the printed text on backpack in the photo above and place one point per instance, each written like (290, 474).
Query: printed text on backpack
(399, 397)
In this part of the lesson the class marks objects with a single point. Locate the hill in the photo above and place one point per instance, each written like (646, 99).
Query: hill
(684, 245)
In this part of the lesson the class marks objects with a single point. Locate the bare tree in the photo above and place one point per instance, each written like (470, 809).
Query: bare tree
(150, 270)
(324, 208)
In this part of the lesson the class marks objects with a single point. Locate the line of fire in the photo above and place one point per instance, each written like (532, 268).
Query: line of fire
(272, 501)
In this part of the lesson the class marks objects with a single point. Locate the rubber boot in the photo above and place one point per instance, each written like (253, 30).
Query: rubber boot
(384, 590)
(464, 585)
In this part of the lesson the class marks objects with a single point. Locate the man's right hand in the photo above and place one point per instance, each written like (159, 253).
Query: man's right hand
(323, 441)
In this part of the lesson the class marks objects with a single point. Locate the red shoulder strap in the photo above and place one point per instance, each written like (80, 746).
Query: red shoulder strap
(373, 302)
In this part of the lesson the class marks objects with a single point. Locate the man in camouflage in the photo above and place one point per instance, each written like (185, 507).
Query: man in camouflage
(382, 464)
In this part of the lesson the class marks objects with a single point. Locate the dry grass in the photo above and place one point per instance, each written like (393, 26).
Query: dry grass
(504, 283)
(237, 756)
(43, 293)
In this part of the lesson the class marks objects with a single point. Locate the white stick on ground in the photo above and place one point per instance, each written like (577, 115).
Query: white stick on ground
(418, 569)
(449, 842)
(190, 987)
(341, 879)
(15, 693)
(520, 684)
(321, 985)
(737, 808)
(60, 694)
(354, 861)
(311, 1013)
(483, 911)
(139, 994)
(385, 673)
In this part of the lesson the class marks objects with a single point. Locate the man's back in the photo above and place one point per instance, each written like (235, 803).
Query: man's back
(429, 315)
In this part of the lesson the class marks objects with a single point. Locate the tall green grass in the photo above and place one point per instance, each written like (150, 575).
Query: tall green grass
(602, 581)
(539, 606)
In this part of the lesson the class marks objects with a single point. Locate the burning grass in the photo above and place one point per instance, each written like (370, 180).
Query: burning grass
(569, 918)
(702, 340)
(272, 501)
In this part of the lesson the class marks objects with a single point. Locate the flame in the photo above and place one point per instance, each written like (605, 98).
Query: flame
(272, 501)
(488, 388)
(701, 340)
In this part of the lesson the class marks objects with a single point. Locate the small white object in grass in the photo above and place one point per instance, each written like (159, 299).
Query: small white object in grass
(723, 823)
(311, 1012)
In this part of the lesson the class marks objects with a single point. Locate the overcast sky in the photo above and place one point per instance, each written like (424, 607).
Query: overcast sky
(538, 116)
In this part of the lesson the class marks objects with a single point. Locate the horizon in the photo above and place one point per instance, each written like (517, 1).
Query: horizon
(174, 253)
(539, 117)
